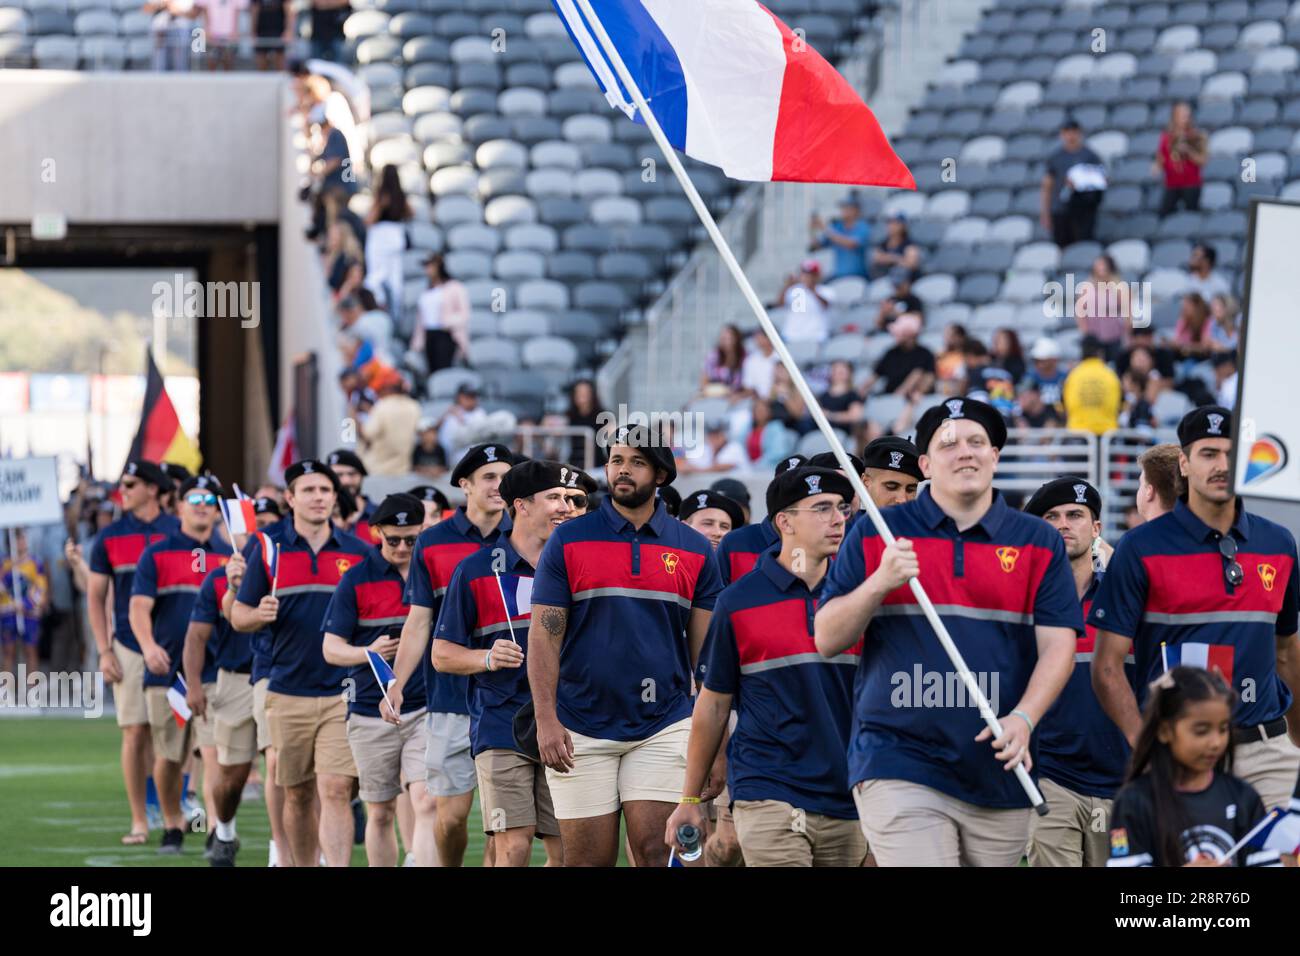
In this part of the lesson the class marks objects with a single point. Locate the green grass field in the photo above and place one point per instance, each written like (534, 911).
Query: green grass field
(62, 803)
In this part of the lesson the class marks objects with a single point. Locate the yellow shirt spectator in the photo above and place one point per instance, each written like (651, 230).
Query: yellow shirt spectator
(1092, 396)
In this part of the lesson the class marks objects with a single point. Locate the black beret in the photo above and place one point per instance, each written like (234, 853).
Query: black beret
(827, 459)
(785, 464)
(402, 510)
(347, 504)
(800, 483)
(348, 459)
(309, 466)
(203, 482)
(893, 454)
(536, 475)
(430, 493)
(982, 413)
(266, 506)
(586, 482)
(179, 474)
(646, 439)
(1207, 421)
(672, 499)
(700, 500)
(733, 489)
(491, 453)
(148, 472)
(1064, 491)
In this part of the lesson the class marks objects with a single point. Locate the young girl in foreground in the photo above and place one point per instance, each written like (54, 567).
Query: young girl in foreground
(1179, 806)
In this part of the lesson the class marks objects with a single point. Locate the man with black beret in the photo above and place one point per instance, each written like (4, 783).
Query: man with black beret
(113, 558)
(1081, 753)
(482, 633)
(477, 525)
(580, 488)
(712, 514)
(1218, 587)
(351, 472)
(434, 501)
(739, 549)
(794, 708)
(928, 790)
(736, 490)
(365, 616)
(891, 471)
(672, 499)
(827, 459)
(178, 474)
(269, 507)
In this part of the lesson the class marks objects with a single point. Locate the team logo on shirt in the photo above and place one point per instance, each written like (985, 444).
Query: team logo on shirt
(1080, 494)
(1267, 575)
(1216, 422)
(670, 561)
(341, 565)
(895, 459)
(954, 408)
(1007, 557)
(1119, 842)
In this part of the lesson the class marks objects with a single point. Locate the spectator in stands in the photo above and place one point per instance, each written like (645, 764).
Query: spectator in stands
(334, 180)
(464, 414)
(1046, 375)
(759, 367)
(1182, 151)
(388, 434)
(1092, 392)
(849, 236)
(1224, 309)
(173, 20)
(805, 300)
(949, 365)
(361, 316)
(1008, 354)
(788, 405)
(975, 358)
(327, 18)
(1073, 186)
(908, 367)
(273, 27)
(1132, 518)
(24, 604)
(386, 240)
(997, 386)
(716, 453)
(342, 264)
(896, 250)
(724, 368)
(1203, 279)
(1138, 410)
(1157, 356)
(1193, 338)
(900, 300)
(585, 410)
(428, 458)
(442, 331)
(841, 401)
(1102, 308)
(768, 440)
(1032, 411)
(1225, 378)
(220, 20)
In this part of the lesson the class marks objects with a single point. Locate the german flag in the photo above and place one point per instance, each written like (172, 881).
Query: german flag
(160, 437)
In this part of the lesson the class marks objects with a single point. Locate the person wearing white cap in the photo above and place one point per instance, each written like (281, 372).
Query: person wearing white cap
(805, 300)
(1046, 374)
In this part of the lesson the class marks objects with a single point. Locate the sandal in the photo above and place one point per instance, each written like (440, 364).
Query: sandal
(136, 838)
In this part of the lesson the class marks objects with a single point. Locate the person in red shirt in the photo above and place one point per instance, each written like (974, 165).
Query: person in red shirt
(1180, 155)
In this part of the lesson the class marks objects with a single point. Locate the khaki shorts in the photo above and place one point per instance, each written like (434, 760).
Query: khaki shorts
(310, 736)
(233, 727)
(205, 726)
(774, 833)
(388, 757)
(448, 766)
(171, 741)
(260, 690)
(128, 693)
(1075, 832)
(512, 793)
(908, 824)
(1270, 766)
(608, 773)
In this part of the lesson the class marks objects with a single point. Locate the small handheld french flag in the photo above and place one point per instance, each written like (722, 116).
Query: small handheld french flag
(1283, 833)
(383, 673)
(240, 516)
(180, 706)
(1205, 656)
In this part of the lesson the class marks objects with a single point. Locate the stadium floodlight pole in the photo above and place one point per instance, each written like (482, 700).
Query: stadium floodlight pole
(737, 273)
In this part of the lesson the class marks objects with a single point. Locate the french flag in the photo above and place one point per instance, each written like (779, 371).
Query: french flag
(181, 712)
(1205, 656)
(734, 87)
(241, 517)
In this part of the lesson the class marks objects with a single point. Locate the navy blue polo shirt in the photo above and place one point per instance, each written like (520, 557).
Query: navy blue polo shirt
(738, 550)
(171, 571)
(367, 605)
(115, 552)
(625, 663)
(1079, 747)
(305, 581)
(793, 706)
(473, 616)
(1166, 582)
(437, 552)
(232, 649)
(260, 641)
(991, 585)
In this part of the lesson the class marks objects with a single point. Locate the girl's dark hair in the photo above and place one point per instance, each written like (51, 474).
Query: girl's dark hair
(1168, 700)
(390, 197)
(734, 357)
(1013, 343)
(367, 299)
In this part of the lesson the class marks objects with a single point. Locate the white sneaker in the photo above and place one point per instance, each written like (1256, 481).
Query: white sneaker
(410, 860)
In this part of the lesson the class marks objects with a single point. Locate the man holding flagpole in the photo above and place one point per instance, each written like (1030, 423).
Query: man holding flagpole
(363, 621)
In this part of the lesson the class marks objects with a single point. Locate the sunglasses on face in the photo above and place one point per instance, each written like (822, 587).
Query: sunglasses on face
(1231, 568)
(201, 498)
(578, 501)
(129, 485)
(394, 541)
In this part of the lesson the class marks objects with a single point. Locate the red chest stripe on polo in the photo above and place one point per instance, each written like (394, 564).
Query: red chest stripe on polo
(488, 609)
(380, 602)
(742, 562)
(220, 585)
(440, 561)
(185, 569)
(124, 550)
(1195, 583)
(604, 566)
(996, 578)
(774, 631)
(295, 568)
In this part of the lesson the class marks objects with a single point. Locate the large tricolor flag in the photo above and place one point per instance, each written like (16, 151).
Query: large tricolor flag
(160, 437)
(1205, 656)
(285, 452)
(733, 86)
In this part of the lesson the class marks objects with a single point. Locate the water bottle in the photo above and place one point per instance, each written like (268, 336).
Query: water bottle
(688, 835)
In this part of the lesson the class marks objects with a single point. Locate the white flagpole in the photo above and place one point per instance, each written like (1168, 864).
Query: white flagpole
(509, 623)
(751, 297)
(1268, 818)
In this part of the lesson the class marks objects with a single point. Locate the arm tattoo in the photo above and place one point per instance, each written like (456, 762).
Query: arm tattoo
(555, 620)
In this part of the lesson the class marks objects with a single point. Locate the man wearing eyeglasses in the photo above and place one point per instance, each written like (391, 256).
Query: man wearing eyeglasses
(787, 775)
(928, 789)
(483, 633)
(365, 616)
(479, 524)
(1213, 586)
(166, 584)
(739, 548)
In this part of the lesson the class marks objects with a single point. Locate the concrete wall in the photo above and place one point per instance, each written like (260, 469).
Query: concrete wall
(154, 148)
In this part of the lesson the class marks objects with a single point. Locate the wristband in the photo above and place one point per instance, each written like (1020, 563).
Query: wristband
(689, 800)
(487, 659)
(1025, 717)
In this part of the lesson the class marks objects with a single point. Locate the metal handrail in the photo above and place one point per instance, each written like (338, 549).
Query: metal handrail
(529, 434)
